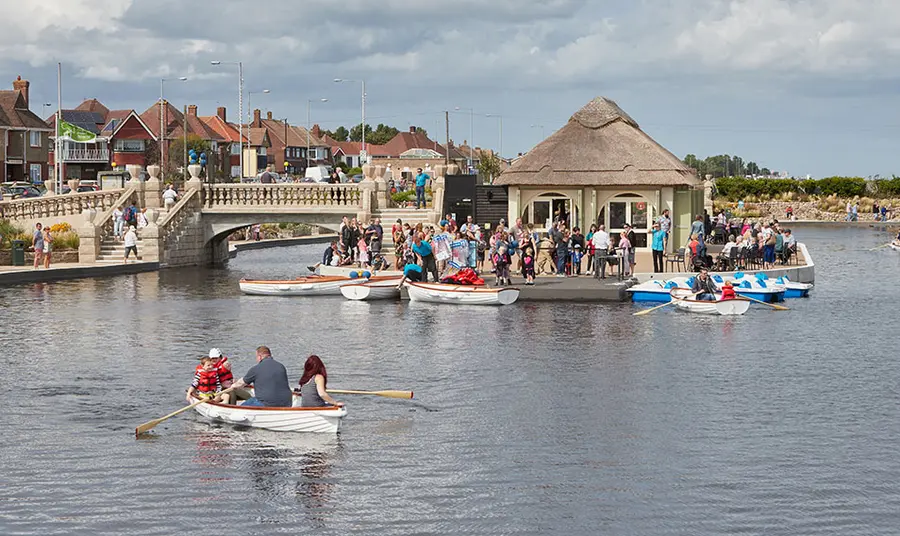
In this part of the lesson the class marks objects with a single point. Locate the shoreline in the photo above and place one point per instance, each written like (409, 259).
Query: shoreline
(248, 245)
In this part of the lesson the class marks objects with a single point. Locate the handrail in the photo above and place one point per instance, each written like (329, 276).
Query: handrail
(104, 221)
(70, 204)
(176, 208)
(304, 194)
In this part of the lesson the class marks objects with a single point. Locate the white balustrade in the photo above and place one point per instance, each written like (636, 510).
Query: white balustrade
(235, 197)
(85, 155)
(71, 204)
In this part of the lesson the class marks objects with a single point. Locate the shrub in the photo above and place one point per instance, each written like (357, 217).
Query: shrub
(8, 232)
(839, 186)
(63, 227)
(65, 241)
(403, 197)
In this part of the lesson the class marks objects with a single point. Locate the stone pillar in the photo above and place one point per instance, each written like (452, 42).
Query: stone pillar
(194, 183)
(139, 185)
(368, 172)
(366, 193)
(707, 194)
(151, 242)
(149, 190)
(73, 185)
(89, 238)
(51, 188)
(381, 190)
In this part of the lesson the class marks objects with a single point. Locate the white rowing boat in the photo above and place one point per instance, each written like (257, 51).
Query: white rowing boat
(325, 420)
(346, 271)
(302, 286)
(461, 294)
(736, 306)
(376, 288)
(895, 247)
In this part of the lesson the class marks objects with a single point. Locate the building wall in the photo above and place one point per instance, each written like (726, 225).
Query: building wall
(3, 136)
(128, 158)
(14, 144)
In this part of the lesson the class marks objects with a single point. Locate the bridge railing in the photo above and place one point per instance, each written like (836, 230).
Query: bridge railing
(238, 196)
(57, 206)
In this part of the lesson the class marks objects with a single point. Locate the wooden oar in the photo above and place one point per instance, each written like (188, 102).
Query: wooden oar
(673, 300)
(881, 246)
(152, 424)
(773, 306)
(387, 394)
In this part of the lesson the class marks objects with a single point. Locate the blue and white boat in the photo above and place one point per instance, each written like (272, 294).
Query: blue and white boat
(793, 289)
(757, 288)
(657, 290)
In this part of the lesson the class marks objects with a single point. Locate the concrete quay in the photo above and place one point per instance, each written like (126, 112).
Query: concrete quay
(19, 275)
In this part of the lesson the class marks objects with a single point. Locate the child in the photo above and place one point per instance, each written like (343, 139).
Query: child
(728, 291)
(501, 263)
(363, 253)
(528, 265)
(207, 383)
(576, 260)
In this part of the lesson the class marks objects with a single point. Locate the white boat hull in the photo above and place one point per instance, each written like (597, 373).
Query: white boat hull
(316, 420)
(721, 307)
(345, 271)
(387, 289)
(325, 286)
(461, 294)
(895, 247)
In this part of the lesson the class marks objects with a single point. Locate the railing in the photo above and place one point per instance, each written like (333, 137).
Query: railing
(85, 155)
(58, 205)
(104, 220)
(241, 196)
(169, 225)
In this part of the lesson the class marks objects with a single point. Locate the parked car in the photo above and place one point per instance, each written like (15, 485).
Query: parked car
(82, 188)
(20, 192)
(358, 177)
(318, 173)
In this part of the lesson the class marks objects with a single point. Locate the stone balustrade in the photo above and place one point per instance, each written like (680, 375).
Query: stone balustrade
(56, 207)
(275, 196)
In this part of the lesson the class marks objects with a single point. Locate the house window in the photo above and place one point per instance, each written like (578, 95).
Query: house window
(261, 151)
(129, 146)
(235, 149)
(35, 138)
(35, 173)
(213, 146)
(235, 171)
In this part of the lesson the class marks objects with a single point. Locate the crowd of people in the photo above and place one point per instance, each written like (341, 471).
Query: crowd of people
(213, 380)
(357, 245)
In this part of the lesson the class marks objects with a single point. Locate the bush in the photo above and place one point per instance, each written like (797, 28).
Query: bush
(839, 186)
(736, 188)
(65, 241)
(354, 171)
(61, 228)
(887, 187)
(403, 197)
(9, 232)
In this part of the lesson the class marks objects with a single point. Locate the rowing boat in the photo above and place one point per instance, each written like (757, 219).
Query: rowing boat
(325, 420)
(793, 289)
(461, 294)
(302, 286)
(757, 287)
(376, 288)
(895, 247)
(656, 290)
(736, 306)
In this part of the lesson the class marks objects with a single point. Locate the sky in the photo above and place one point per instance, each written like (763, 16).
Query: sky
(803, 86)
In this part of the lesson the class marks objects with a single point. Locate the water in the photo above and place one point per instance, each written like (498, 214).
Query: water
(529, 419)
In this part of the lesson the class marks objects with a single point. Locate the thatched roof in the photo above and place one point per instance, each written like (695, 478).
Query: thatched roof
(601, 145)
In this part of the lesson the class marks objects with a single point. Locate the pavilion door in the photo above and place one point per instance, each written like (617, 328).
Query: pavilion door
(635, 211)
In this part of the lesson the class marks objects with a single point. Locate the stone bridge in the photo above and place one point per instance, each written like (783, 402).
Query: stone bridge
(196, 229)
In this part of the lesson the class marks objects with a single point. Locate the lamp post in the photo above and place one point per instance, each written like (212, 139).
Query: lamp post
(471, 134)
(308, 105)
(240, 105)
(249, 114)
(363, 125)
(162, 122)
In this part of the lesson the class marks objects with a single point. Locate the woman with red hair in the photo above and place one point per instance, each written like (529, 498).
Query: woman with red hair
(313, 384)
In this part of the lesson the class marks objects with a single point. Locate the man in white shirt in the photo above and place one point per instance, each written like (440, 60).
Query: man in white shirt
(130, 243)
(169, 197)
(600, 241)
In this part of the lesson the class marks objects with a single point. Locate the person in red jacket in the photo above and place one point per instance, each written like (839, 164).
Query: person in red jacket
(728, 291)
(223, 367)
(211, 377)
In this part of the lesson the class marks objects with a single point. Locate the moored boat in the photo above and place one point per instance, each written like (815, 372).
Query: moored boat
(736, 306)
(895, 247)
(302, 286)
(656, 290)
(376, 288)
(461, 294)
(792, 289)
(754, 287)
(348, 271)
(296, 419)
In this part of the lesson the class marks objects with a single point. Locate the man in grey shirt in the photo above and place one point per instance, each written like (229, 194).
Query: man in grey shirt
(269, 379)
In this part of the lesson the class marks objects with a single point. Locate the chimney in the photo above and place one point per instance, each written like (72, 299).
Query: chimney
(220, 111)
(269, 116)
(22, 87)
(256, 118)
(316, 131)
(412, 129)
(192, 110)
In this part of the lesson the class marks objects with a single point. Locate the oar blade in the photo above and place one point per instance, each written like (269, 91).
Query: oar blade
(146, 427)
(395, 394)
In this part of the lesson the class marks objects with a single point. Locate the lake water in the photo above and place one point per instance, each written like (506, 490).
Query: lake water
(529, 419)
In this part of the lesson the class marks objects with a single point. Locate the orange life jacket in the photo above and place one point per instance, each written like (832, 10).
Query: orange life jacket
(206, 381)
(728, 292)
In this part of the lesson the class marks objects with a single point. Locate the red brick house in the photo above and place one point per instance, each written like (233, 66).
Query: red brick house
(24, 137)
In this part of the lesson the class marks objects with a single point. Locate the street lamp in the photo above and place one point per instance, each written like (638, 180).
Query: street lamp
(162, 123)
(308, 105)
(45, 105)
(471, 133)
(340, 80)
(240, 106)
(249, 113)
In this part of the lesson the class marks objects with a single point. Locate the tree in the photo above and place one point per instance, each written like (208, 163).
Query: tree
(339, 134)
(355, 133)
(488, 165)
(422, 131)
(752, 168)
(175, 158)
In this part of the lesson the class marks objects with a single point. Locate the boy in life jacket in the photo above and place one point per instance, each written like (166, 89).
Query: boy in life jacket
(728, 291)
(211, 377)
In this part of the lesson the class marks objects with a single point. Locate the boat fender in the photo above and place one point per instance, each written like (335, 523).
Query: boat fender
(745, 284)
(367, 274)
(354, 274)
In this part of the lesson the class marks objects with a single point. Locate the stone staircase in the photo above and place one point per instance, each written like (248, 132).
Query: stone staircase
(112, 251)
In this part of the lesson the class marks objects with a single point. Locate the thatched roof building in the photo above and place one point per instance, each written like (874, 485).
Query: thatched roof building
(601, 145)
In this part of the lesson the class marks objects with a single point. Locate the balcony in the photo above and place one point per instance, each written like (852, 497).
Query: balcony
(85, 155)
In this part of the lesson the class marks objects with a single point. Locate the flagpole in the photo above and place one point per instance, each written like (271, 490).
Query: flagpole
(59, 156)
